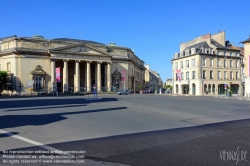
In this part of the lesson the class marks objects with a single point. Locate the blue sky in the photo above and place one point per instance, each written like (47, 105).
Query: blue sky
(154, 29)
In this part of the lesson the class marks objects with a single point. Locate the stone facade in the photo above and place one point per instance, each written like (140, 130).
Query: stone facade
(247, 66)
(205, 64)
(152, 78)
(69, 65)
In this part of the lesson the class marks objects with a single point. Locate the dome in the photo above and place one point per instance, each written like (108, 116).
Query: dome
(37, 37)
(112, 44)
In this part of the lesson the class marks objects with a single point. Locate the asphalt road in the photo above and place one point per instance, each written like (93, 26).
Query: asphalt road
(140, 130)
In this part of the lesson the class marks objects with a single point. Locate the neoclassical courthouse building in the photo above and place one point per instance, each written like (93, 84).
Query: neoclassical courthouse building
(69, 65)
(207, 64)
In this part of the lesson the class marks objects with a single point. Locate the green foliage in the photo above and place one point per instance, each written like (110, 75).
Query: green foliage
(156, 88)
(140, 87)
(168, 86)
(3, 80)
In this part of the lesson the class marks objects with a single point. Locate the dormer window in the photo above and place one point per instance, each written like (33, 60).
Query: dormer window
(193, 51)
(186, 52)
(211, 51)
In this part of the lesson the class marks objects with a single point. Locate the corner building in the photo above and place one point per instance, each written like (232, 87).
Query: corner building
(207, 65)
(68, 65)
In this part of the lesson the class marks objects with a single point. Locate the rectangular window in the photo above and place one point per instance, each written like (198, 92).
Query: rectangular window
(218, 52)
(219, 75)
(218, 63)
(237, 75)
(181, 64)
(8, 66)
(193, 74)
(211, 62)
(176, 65)
(231, 53)
(193, 62)
(225, 53)
(181, 75)
(204, 74)
(237, 63)
(231, 75)
(176, 77)
(203, 61)
(193, 51)
(38, 83)
(211, 74)
(225, 75)
(187, 63)
(231, 63)
(225, 63)
(187, 75)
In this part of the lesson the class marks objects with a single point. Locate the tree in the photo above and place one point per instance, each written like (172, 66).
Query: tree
(168, 86)
(3, 80)
(140, 87)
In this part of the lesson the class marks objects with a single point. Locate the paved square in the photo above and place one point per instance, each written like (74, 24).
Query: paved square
(130, 129)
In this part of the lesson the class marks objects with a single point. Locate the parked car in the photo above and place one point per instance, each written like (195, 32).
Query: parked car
(123, 92)
(128, 91)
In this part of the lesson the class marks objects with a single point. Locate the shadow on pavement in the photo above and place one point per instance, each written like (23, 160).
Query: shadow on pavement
(35, 108)
(199, 145)
(48, 102)
(9, 121)
(5, 135)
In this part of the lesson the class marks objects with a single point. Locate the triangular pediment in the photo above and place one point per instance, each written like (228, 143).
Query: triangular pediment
(80, 49)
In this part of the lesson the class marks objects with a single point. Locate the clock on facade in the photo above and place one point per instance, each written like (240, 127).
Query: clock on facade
(83, 49)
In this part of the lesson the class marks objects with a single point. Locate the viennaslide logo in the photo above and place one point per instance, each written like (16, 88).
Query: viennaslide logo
(234, 155)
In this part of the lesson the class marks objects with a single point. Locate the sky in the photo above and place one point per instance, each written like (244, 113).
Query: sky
(154, 29)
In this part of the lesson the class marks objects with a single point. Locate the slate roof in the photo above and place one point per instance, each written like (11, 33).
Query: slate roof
(8, 37)
(248, 40)
(77, 40)
(198, 46)
(216, 44)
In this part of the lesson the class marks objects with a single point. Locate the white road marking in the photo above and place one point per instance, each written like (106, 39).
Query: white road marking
(29, 141)
(91, 162)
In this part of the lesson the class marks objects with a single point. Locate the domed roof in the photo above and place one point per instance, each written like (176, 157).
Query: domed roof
(112, 44)
(37, 37)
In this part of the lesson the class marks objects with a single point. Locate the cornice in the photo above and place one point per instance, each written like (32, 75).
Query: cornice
(79, 53)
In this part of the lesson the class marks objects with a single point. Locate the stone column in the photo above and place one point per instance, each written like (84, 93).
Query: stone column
(88, 74)
(109, 76)
(53, 74)
(77, 77)
(99, 76)
(65, 76)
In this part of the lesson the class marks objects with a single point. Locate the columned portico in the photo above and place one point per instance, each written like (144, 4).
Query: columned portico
(53, 74)
(108, 77)
(77, 77)
(99, 76)
(65, 76)
(88, 78)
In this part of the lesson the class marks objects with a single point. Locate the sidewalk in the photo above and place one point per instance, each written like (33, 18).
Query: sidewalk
(214, 96)
(233, 97)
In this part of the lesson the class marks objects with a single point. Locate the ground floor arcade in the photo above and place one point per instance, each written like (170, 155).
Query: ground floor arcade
(206, 88)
